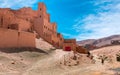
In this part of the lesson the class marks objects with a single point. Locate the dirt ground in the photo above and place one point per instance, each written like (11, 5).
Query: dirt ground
(58, 62)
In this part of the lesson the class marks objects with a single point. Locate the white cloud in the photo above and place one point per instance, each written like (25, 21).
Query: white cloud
(15, 4)
(67, 35)
(101, 24)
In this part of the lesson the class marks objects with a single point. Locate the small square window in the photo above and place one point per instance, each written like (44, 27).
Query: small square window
(40, 9)
(40, 16)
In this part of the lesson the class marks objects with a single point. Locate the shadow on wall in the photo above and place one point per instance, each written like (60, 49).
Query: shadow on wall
(22, 49)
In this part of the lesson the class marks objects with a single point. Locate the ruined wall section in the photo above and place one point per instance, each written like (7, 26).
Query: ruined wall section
(9, 20)
(6, 17)
(71, 43)
(60, 40)
(38, 26)
(23, 25)
(25, 13)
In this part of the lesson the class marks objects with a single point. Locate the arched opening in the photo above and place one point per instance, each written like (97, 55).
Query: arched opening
(13, 26)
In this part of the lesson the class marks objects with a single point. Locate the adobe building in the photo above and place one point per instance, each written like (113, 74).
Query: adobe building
(81, 49)
(69, 44)
(46, 29)
(14, 30)
(20, 28)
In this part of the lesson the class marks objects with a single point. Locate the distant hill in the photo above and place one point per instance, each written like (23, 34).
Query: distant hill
(99, 42)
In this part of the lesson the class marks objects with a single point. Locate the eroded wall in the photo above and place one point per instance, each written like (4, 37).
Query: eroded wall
(13, 38)
(26, 39)
(70, 43)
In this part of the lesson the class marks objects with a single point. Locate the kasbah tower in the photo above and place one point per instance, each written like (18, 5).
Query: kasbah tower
(20, 28)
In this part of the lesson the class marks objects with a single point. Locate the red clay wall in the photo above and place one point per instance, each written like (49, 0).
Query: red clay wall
(55, 41)
(38, 26)
(13, 38)
(23, 25)
(8, 38)
(26, 39)
(81, 49)
(8, 18)
(70, 43)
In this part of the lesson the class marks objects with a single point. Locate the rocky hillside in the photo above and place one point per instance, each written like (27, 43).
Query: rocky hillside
(99, 42)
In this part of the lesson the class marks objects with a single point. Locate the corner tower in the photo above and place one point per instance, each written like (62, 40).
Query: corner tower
(42, 12)
(42, 23)
(41, 9)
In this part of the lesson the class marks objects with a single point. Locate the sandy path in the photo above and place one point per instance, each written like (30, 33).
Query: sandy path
(50, 66)
(41, 64)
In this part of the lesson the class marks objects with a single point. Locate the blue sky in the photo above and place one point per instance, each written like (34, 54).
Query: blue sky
(80, 19)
